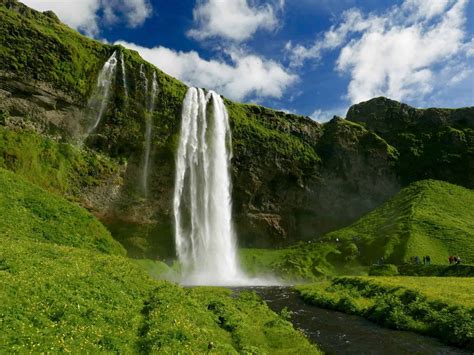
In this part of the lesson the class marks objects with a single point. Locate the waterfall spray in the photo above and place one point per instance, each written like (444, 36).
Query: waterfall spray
(124, 75)
(148, 130)
(98, 101)
(205, 239)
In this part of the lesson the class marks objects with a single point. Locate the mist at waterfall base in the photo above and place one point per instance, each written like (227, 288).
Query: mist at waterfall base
(204, 233)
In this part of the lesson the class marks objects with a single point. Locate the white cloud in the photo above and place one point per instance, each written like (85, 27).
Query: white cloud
(84, 15)
(322, 116)
(399, 53)
(233, 20)
(248, 75)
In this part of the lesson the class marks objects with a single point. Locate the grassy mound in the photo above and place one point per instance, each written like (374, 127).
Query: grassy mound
(29, 212)
(427, 218)
(439, 307)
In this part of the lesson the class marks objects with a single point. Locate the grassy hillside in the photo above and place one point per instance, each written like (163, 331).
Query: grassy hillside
(427, 218)
(28, 212)
(439, 307)
(56, 298)
(62, 290)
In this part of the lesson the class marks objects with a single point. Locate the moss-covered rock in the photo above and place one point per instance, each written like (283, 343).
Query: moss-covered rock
(432, 143)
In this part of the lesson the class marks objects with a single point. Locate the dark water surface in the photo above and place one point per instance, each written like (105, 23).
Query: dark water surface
(339, 333)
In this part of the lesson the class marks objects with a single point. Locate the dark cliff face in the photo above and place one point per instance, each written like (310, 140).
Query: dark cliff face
(433, 143)
(293, 178)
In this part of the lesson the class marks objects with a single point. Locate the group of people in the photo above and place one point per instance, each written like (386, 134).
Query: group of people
(454, 259)
(417, 261)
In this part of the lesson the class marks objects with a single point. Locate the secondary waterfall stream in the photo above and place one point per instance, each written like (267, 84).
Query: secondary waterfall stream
(98, 101)
(124, 75)
(150, 106)
(205, 239)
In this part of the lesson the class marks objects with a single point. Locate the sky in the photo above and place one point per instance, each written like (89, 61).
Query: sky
(310, 57)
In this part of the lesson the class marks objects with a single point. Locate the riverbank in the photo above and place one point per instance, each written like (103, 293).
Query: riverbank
(339, 333)
(438, 307)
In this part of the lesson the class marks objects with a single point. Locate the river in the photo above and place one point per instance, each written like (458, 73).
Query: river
(340, 333)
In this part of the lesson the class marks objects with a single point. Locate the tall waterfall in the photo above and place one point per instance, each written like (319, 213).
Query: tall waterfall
(205, 239)
(124, 75)
(98, 101)
(148, 128)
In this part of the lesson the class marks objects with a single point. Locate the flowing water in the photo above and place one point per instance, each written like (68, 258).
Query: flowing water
(98, 101)
(124, 75)
(339, 333)
(205, 239)
(148, 127)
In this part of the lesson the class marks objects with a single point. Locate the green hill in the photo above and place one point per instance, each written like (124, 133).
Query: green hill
(428, 217)
(62, 291)
(31, 213)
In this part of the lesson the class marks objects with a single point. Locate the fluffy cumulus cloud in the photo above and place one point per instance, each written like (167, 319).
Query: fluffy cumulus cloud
(247, 76)
(234, 20)
(404, 53)
(322, 116)
(85, 15)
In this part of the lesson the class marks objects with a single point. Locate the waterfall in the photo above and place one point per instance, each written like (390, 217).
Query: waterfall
(124, 75)
(98, 101)
(148, 130)
(205, 239)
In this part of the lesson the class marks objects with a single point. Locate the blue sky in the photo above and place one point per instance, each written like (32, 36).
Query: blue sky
(311, 57)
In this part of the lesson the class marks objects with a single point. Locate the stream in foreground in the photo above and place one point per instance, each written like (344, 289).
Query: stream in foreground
(339, 333)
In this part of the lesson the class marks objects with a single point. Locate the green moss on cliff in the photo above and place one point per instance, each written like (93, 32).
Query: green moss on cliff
(58, 167)
(433, 143)
(35, 46)
(265, 133)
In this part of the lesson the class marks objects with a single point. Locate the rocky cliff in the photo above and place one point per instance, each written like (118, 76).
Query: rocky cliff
(293, 178)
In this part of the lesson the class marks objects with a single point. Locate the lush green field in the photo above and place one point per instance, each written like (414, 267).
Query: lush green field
(439, 307)
(62, 290)
(428, 217)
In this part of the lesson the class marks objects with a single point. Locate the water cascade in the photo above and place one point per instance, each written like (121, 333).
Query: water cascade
(148, 130)
(98, 101)
(205, 239)
(124, 75)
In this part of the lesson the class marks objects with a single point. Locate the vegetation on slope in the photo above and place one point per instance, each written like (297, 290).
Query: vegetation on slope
(58, 167)
(28, 212)
(439, 307)
(302, 262)
(427, 218)
(63, 291)
(433, 143)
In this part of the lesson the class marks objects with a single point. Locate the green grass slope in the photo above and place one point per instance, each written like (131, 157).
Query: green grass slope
(31, 213)
(62, 299)
(62, 291)
(428, 217)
